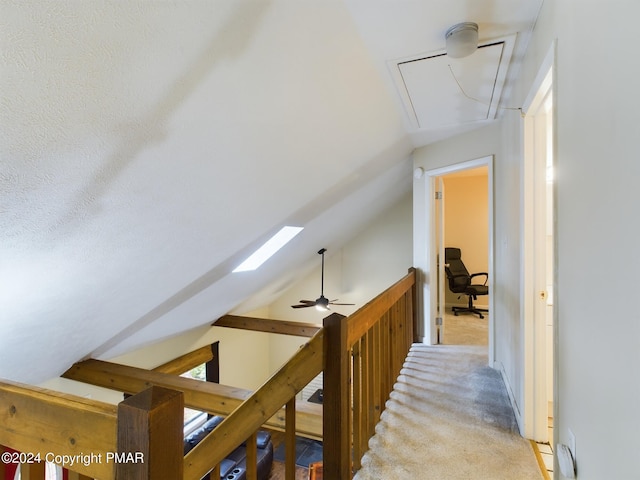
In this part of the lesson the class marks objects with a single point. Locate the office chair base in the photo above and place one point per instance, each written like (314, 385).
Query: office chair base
(469, 309)
(476, 311)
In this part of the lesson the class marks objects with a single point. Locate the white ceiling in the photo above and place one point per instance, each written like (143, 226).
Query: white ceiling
(147, 147)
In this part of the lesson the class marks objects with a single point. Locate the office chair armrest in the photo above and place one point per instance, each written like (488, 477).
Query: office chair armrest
(486, 276)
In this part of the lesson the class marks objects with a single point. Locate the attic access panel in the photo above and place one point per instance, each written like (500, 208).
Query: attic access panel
(437, 88)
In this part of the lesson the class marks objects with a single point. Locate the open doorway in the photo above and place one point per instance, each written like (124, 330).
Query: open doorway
(433, 298)
(539, 258)
(464, 230)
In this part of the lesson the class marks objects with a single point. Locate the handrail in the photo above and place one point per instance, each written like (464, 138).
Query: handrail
(245, 420)
(362, 320)
(52, 424)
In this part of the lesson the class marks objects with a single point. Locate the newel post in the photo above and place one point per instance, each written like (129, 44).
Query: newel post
(336, 399)
(413, 304)
(150, 436)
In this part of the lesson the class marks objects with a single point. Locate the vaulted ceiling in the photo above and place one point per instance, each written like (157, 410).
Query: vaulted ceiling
(147, 147)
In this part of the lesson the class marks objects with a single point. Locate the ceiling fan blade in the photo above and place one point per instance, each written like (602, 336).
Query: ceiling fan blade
(335, 302)
(303, 306)
(312, 302)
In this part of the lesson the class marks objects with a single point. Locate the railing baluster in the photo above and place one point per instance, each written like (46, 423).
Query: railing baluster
(371, 379)
(290, 441)
(357, 405)
(252, 457)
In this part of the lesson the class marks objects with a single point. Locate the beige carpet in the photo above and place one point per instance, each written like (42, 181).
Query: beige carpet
(465, 329)
(448, 418)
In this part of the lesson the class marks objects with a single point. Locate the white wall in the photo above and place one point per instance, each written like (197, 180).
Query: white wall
(242, 354)
(598, 168)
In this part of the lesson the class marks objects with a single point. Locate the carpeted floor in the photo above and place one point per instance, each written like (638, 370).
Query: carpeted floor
(449, 417)
(465, 329)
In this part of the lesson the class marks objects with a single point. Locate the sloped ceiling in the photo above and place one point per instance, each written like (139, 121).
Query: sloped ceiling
(147, 147)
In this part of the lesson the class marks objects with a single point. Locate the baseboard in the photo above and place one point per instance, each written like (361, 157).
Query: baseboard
(516, 410)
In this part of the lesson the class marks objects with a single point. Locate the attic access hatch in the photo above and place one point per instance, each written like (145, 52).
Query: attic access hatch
(433, 87)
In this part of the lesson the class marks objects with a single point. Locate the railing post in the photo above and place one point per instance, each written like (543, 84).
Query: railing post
(150, 436)
(413, 305)
(336, 399)
(290, 440)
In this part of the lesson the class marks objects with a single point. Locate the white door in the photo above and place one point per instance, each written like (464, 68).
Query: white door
(539, 263)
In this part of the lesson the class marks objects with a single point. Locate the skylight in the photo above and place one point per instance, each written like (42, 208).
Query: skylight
(272, 245)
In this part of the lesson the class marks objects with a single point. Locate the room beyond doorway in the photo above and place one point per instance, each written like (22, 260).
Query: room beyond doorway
(464, 224)
(429, 248)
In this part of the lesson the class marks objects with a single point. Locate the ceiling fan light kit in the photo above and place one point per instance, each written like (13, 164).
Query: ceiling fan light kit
(462, 39)
(321, 303)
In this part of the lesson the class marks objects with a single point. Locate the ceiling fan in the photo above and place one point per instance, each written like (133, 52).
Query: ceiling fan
(321, 303)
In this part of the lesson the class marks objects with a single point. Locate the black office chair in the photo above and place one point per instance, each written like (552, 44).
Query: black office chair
(460, 281)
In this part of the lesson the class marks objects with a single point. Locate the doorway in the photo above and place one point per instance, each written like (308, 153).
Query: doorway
(463, 223)
(539, 259)
(433, 297)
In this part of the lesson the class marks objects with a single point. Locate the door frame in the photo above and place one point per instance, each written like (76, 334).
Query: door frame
(430, 295)
(535, 398)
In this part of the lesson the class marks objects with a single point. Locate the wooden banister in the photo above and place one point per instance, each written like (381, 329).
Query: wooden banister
(361, 356)
(41, 421)
(305, 365)
(364, 354)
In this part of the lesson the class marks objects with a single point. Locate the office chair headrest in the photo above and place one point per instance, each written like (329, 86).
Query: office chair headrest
(452, 253)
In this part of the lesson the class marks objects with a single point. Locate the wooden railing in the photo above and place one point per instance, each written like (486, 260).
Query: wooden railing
(361, 356)
(135, 440)
(243, 423)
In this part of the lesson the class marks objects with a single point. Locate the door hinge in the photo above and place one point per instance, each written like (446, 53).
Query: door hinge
(438, 320)
(438, 195)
